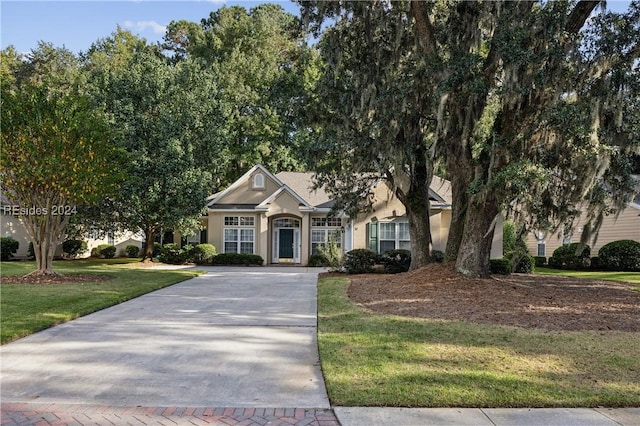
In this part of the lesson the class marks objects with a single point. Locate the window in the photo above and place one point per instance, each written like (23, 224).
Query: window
(542, 248)
(258, 181)
(392, 236)
(323, 236)
(286, 223)
(239, 235)
(333, 222)
(111, 239)
(331, 232)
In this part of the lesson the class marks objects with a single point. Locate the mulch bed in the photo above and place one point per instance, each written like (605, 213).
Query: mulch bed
(527, 301)
(55, 279)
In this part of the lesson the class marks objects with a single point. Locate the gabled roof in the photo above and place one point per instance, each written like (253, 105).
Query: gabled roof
(215, 198)
(302, 184)
(265, 204)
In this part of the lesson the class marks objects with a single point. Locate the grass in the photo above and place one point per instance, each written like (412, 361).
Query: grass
(370, 359)
(26, 309)
(633, 277)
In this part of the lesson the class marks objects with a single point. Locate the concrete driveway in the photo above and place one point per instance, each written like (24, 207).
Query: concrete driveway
(232, 337)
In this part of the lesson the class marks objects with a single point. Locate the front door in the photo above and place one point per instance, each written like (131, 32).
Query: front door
(285, 245)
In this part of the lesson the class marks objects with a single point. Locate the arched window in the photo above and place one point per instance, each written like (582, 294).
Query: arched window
(258, 181)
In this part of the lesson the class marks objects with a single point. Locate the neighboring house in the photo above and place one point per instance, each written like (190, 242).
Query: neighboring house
(626, 226)
(10, 226)
(284, 220)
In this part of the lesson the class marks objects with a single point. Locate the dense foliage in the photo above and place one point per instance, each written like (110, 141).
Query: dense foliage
(8, 247)
(571, 256)
(622, 255)
(359, 261)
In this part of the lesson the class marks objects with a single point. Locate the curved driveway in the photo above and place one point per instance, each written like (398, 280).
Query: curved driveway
(234, 337)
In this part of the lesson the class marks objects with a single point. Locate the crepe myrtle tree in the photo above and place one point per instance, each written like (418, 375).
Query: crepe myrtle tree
(57, 154)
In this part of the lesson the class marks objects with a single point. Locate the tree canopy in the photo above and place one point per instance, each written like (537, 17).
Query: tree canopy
(526, 101)
(56, 150)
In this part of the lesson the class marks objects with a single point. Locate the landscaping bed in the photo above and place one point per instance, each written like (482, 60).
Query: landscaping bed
(528, 301)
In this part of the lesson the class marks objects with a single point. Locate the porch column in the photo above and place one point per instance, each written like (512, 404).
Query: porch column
(305, 235)
(263, 248)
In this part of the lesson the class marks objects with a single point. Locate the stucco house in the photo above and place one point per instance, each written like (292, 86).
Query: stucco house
(283, 219)
(625, 226)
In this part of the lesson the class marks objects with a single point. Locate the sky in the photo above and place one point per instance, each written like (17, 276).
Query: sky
(77, 24)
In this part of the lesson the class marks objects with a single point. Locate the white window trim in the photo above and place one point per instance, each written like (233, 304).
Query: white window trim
(396, 240)
(240, 227)
(259, 181)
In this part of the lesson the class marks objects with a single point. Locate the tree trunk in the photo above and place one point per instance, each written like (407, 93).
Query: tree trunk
(149, 237)
(475, 245)
(459, 166)
(45, 232)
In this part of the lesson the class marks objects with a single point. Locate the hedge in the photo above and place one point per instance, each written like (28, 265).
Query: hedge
(396, 261)
(237, 259)
(571, 256)
(500, 266)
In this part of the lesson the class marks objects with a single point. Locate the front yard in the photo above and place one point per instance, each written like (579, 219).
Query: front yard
(27, 308)
(372, 358)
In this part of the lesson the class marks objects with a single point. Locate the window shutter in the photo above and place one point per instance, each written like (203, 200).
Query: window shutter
(372, 229)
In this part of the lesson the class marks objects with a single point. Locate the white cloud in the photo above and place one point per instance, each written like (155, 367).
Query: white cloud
(141, 26)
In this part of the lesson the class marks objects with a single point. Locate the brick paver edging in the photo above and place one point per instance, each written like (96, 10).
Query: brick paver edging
(81, 415)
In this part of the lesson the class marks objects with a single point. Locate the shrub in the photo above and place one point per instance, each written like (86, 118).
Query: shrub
(317, 260)
(621, 255)
(596, 264)
(31, 252)
(437, 256)
(333, 253)
(360, 261)
(525, 264)
(571, 256)
(132, 251)
(237, 259)
(396, 261)
(107, 251)
(500, 266)
(174, 255)
(8, 247)
(97, 251)
(73, 248)
(539, 261)
(202, 253)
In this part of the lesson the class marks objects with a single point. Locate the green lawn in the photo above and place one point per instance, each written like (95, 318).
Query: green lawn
(633, 277)
(380, 360)
(25, 309)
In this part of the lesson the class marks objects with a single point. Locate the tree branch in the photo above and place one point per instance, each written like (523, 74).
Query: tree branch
(426, 39)
(580, 14)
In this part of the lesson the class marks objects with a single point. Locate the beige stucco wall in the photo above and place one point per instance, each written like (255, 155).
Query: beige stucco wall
(12, 228)
(625, 227)
(245, 194)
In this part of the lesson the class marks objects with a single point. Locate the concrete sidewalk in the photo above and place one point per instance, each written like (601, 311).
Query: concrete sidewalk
(361, 416)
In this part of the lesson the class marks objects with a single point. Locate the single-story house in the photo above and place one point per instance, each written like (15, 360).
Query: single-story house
(284, 219)
(625, 226)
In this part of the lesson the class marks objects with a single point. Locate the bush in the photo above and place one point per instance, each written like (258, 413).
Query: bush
(500, 266)
(571, 256)
(596, 265)
(31, 252)
(360, 261)
(333, 253)
(437, 256)
(539, 261)
(621, 255)
(237, 259)
(132, 251)
(525, 264)
(73, 248)
(174, 255)
(317, 260)
(8, 247)
(106, 251)
(396, 261)
(202, 253)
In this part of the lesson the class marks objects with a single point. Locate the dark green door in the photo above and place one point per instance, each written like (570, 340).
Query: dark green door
(285, 247)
